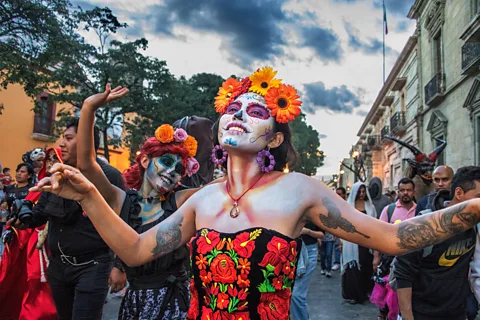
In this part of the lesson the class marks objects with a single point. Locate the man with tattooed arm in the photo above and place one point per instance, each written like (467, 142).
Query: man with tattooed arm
(433, 283)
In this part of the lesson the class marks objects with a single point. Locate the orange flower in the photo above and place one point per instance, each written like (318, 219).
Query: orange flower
(201, 262)
(283, 103)
(225, 94)
(164, 133)
(191, 145)
(244, 266)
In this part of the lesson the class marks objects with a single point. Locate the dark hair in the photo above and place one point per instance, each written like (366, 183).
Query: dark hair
(406, 181)
(342, 189)
(283, 154)
(30, 170)
(358, 192)
(465, 178)
(73, 122)
(5, 170)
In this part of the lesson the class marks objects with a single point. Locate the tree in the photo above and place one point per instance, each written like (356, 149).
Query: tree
(34, 34)
(307, 143)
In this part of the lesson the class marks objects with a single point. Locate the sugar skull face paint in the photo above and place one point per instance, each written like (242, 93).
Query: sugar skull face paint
(164, 172)
(247, 124)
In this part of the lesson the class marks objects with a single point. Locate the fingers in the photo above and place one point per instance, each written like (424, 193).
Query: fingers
(10, 222)
(60, 167)
(108, 88)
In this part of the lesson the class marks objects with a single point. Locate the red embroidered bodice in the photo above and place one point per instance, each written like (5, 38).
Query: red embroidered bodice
(243, 275)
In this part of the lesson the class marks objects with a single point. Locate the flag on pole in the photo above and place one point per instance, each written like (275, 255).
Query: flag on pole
(385, 18)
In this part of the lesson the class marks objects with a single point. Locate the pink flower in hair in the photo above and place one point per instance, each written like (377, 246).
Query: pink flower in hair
(180, 135)
(192, 166)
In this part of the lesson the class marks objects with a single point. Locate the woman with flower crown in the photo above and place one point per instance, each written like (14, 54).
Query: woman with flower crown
(159, 288)
(243, 233)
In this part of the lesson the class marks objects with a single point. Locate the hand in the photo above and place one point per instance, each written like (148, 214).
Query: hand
(66, 182)
(100, 99)
(16, 223)
(117, 280)
(375, 263)
(305, 231)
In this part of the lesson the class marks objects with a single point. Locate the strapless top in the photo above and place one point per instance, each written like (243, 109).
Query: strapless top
(244, 275)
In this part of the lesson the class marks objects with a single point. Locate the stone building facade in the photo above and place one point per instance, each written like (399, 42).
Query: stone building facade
(432, 92)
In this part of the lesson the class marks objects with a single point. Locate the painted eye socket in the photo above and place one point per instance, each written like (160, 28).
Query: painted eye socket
(258, 112)
(167, 161)
(233, 108)
(179, 168)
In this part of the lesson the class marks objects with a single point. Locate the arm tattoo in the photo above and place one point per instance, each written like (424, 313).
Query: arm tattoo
(334, 219)
(168, 236)
(433, 228)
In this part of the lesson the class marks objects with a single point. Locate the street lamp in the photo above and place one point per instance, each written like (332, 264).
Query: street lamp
(342, 171)
(286, 170)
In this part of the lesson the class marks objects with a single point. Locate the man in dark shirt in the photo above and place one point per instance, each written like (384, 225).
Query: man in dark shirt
(442, 179)
(24, 175)
(80, 261)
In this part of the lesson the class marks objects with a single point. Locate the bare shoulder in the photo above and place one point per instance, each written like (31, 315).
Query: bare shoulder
(206, 191)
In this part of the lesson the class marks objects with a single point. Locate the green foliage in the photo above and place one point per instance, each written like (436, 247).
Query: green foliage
(307, 143)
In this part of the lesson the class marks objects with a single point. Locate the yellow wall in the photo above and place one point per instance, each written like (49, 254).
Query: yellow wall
(16, 127)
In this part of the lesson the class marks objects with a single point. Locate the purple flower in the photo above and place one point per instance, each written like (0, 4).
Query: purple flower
(180, 135)
(192, 166)
(261, 161)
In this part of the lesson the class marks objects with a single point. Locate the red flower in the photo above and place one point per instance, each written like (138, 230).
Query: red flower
(205, 276)
(291, 275)
(242, 295)
(207, 313)
(278, 251)
(245, 85)
(244, 266)
(212, 290)
(201, 262)
(243, 245)
(222, 300)
(287, 268)
(274, 306)
(207, 242)
(278, 283)
(232, 291)
(193, 310)
(243, 281)
(223, 269)
(240, 316)
(293, 251)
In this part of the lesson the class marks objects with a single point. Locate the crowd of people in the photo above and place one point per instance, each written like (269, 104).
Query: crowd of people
(241, 246)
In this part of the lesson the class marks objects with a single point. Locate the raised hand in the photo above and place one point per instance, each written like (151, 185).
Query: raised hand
(100, 99)
(66, 182)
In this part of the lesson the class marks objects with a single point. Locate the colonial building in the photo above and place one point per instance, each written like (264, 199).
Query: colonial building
(21, 129)
(432, 92)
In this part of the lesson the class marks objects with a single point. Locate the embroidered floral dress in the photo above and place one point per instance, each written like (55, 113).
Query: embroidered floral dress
(243, 275)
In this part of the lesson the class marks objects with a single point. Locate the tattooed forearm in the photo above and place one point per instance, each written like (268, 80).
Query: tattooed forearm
(168, 236)
(334, 219)
(430, 229)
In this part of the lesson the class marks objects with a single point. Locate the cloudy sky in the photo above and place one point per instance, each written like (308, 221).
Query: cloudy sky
(330, 50)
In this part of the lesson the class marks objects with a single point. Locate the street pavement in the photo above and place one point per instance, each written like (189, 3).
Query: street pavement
(324, 302)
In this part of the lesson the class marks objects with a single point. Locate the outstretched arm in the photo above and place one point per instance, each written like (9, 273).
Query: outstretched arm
(132, 248)
(333, 214)
(86, 153)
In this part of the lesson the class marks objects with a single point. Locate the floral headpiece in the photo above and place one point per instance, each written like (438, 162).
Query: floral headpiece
(281, 99)
(167, 134)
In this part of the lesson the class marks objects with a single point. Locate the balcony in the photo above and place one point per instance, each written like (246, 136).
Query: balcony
(435, 90)
(43, 128)
(374, 142)
(470, 58)
(398, 123)
(385, 131)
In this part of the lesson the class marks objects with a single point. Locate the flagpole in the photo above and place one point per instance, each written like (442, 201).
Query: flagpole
(383, 33)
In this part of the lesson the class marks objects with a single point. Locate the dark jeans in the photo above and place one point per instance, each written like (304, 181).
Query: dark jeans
(326, 253)
(337, 253)
(472, 307)
(79, 292)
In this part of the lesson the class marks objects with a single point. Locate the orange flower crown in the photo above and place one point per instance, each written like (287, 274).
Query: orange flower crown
(167, 134)
(282, 99)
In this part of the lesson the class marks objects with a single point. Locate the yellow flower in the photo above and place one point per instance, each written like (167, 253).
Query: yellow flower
(263, 80)
(165, 133)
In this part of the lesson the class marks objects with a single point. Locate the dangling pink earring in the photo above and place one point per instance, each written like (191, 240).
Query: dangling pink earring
(222, 158)
(261, 157)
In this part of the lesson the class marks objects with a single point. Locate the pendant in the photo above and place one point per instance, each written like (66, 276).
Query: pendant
(235, 211)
